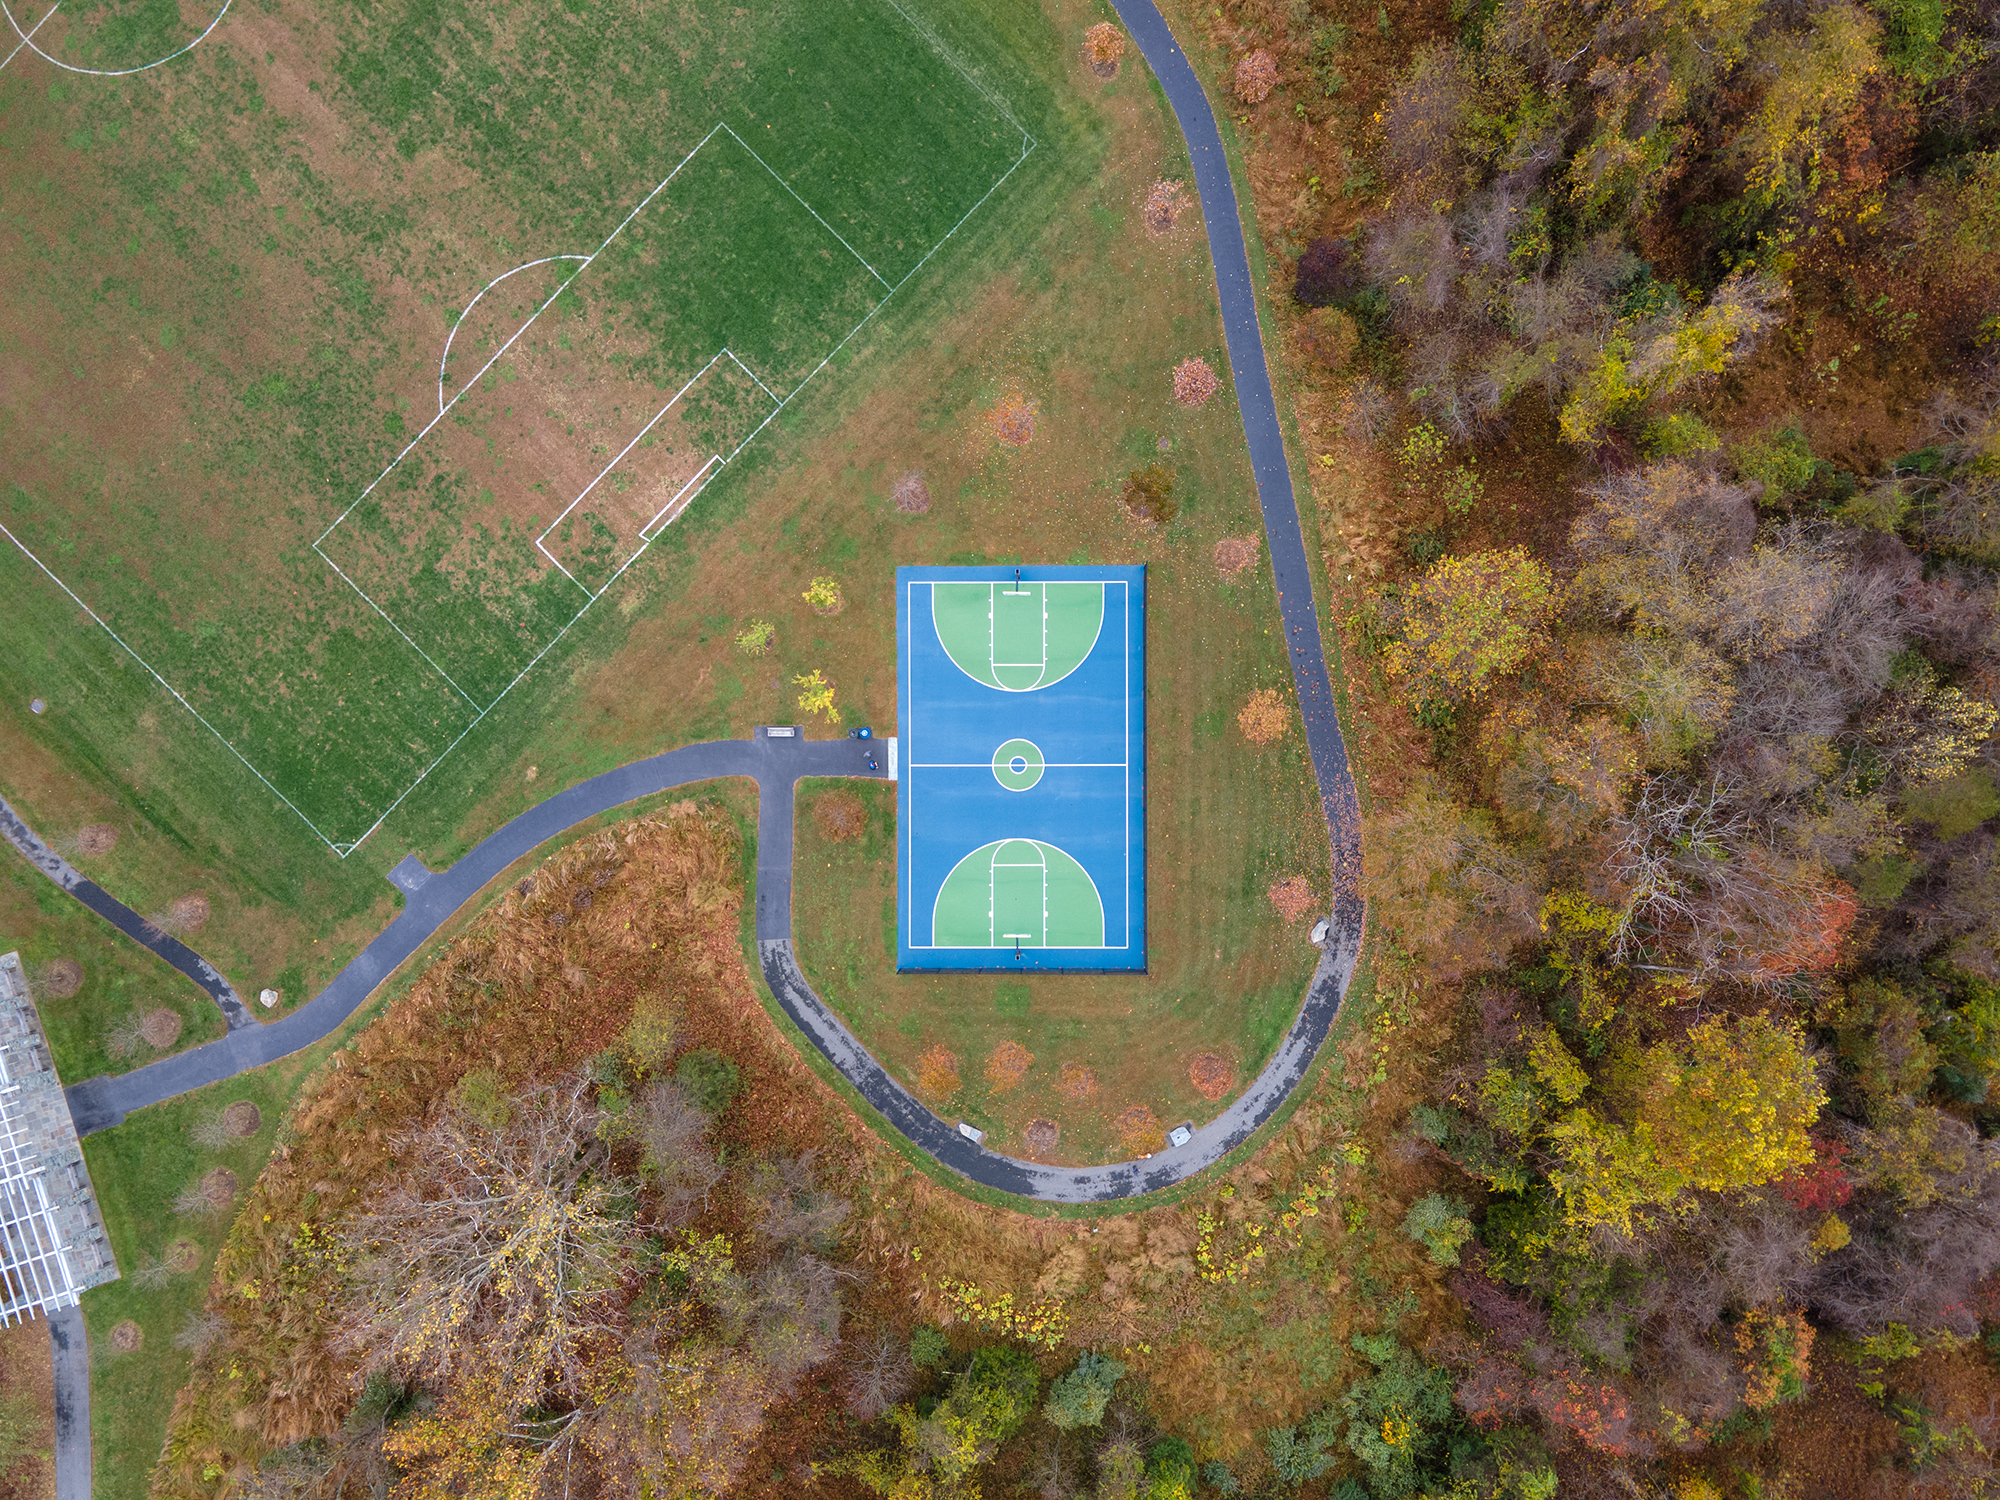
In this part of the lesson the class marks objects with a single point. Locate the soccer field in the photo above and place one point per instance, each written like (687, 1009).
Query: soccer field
(1022, 787)
(696, 217)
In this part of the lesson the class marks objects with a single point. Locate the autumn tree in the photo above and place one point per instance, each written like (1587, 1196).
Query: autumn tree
(1472, 620)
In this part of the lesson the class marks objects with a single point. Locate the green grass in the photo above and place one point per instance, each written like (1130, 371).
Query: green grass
(272, 310)
(121, 980)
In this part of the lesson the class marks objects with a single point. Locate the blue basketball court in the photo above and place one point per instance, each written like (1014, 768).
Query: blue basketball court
(1022, 795)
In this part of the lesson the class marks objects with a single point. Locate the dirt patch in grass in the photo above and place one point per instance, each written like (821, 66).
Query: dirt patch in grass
(182, 1257)
(1212, 1074)
(1078, 1081)
(1236, 555)
(1007, 1064)
(127, 1337)
(96, 838)
(161, 1028)
(1039, 1136)
(219, 1187)
(841, 816)
(59, 978)
(242, 1118)
(181, 916)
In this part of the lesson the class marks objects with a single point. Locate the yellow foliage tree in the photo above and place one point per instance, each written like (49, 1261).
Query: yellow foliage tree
(1472, 619)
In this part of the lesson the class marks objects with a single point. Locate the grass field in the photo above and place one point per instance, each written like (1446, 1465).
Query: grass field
(121, 980)
(338, 697)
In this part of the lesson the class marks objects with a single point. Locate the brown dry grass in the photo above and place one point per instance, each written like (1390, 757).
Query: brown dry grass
(1077, 1081)
(27, 1387)
(1236, 555)
(1012, 421)
(840, 815)
(1293, 897)
(1040, 1137)
(1195, 383)
(1007, 1065)
(1103, 46)
(937, 1073)
(242, 1119)
(1266, 718)
(1139, 1129)
(911, 494)
(1212, 1074)
(161, 1027)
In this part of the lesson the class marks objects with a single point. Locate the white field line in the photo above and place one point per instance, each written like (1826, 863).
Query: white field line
(453, 333)
(472, 383)
(398, 629)
(671, 403)
(937, 45)
(672, 509)
(752, 374)
(101, 72)
(565, 571)
(1028, 144)
(808, 208)
(30, 33)
(167, 685)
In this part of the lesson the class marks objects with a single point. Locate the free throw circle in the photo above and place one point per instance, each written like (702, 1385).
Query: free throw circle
(1018, 765)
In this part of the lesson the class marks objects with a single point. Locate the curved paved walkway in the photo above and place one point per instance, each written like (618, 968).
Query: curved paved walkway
(776, 765)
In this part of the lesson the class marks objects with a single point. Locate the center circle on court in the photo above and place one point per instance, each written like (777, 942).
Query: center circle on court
(1018, 765)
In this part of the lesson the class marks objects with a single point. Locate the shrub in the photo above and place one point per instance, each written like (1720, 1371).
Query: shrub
(756, 637)
(1148, 495)
(1256, 76)
(1396, 1417)
(1303, 1453)
(1440, 1225)
(1103, 46)
(1781, 461)
(1329, 272)
(1078, 1398)
(823, 594)
(711, 1079)
(816, 694)
(1676, 436)
(1195, 382)
(1329, 337)
(928, 1346)
(484, 1097)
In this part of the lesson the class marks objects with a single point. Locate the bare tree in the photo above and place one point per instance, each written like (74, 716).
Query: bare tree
(674, 1132)
(500, 1247)
(200, 1329)
(878, 1375)
(789, 1204)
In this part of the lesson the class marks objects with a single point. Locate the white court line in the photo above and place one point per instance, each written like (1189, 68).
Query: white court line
(808, 208)
(105, 72)
(453, 333)
(168, 686)
(1028, 145)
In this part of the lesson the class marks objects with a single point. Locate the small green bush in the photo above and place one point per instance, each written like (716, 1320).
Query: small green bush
(756, 638)
(1078, 1399)
(1441, 1225)
(710, 1079)
(1882, 880)
(1781, 461)
(1677, 436)
(928, 1347)
(1305, 1452)
(1957, 804)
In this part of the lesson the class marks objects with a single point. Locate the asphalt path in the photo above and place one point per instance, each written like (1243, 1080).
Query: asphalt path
(126, 920)
(776, 764)
(69, 1349)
